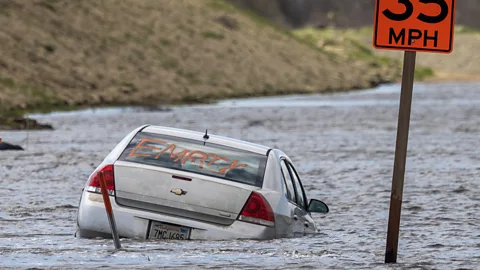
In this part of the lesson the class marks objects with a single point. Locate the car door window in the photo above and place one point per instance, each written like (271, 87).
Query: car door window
(288, 182)
(301, 198)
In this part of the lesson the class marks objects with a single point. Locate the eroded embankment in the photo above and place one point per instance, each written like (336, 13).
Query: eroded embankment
(60, 54)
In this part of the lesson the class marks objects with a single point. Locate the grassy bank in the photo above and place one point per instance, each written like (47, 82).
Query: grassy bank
(461, 65)
(59, 54)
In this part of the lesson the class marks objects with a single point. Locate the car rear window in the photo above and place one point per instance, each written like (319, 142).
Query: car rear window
(196, 156)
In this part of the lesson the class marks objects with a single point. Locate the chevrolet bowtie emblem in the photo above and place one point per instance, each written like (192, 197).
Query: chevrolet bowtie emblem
(178, 191)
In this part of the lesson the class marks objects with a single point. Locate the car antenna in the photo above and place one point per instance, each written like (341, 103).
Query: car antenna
(205, 137)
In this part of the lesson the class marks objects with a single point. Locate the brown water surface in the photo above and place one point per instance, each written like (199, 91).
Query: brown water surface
(342, 145)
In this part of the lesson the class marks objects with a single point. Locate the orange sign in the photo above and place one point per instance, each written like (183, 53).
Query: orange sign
(414, 25)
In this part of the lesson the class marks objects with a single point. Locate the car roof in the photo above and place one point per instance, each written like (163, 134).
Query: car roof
(194, 135)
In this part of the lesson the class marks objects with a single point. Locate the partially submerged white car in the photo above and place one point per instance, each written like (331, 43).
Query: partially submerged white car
(167, 183)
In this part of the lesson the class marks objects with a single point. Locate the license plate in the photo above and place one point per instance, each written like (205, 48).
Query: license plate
(164, 231)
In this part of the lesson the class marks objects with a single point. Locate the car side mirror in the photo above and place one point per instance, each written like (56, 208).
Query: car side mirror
(316, 206)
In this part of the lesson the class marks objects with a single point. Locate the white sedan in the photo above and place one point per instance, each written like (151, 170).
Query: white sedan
(167, 183)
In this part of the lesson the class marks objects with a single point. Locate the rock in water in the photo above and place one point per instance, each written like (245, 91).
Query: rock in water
(21, 123)
(6, 146)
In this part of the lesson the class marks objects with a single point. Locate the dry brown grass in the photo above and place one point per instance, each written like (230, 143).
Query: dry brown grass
(463, 64)
(59, 53)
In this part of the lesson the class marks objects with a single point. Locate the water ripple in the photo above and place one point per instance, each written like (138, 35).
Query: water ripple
(342, 145)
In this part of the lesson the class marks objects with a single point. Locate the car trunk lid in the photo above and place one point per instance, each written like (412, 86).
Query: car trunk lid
(179, 193)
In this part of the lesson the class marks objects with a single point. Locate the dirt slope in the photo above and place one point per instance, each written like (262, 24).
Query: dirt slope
(65, 54)
(339, 13)
(324, 21)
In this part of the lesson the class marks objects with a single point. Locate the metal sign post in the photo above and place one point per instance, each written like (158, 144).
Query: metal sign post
(410, 26)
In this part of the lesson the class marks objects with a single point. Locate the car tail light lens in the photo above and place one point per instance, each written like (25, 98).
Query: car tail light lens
(94, 181)
(257, 210)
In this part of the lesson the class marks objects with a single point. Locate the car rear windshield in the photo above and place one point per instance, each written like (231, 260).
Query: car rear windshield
(194, 156)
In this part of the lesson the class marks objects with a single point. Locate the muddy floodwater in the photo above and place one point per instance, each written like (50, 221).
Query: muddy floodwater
(343, 146)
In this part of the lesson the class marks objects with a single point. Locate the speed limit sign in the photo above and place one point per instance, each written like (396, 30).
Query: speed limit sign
(414, 25)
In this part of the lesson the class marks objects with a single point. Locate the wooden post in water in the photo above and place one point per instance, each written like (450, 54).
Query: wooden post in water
(108, 208)
(27, 124)
(400, 156)
(412, 31)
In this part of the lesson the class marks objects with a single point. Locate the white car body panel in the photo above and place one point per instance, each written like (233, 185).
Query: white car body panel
(134, 223)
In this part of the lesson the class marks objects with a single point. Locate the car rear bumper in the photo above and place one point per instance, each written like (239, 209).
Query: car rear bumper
(132, 223)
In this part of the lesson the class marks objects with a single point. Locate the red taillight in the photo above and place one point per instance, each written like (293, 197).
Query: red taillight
(94, 182)
(257, 210)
